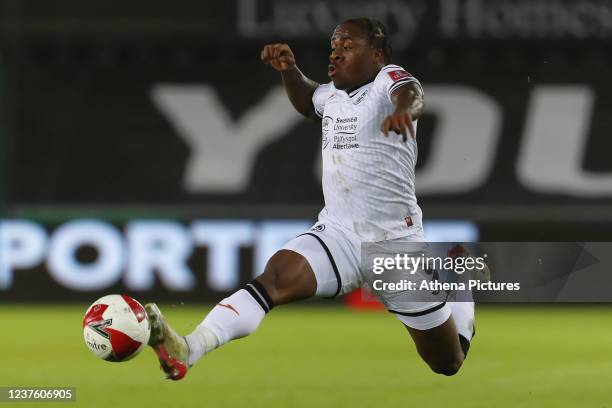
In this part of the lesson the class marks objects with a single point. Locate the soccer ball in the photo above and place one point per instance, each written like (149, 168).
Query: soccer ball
(116, 328)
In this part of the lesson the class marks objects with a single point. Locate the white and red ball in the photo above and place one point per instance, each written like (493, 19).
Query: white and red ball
(116, 328)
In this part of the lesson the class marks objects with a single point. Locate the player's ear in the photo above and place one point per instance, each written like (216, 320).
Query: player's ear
(378, 55)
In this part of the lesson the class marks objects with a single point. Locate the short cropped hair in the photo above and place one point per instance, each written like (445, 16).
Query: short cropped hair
(376, 34)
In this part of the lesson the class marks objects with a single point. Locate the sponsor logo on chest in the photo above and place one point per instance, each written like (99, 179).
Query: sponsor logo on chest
(341, 132)
(346, 125)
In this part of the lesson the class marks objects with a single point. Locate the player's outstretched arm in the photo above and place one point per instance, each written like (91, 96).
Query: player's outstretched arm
(408, 101)
(299, 88)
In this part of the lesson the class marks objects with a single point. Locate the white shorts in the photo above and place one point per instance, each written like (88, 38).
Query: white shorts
(334, 255)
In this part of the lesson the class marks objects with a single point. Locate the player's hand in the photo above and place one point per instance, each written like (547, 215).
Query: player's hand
(399, 122)
(279, 56)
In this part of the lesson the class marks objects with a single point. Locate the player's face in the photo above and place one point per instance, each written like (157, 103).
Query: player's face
(353, 61)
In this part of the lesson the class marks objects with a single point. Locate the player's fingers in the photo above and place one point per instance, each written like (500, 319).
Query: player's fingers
(390, 125)
(404, 134)
(384, 127)
(410, 126)
(287, 59)
(278, 49)
(269, 51)
(401, 124)
(395, 125)
(266, 53)
(405, 126)
(284, 49)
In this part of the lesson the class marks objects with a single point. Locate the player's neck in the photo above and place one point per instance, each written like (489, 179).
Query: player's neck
(352, 89)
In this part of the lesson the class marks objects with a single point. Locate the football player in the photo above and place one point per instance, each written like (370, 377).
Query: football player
(368, 112)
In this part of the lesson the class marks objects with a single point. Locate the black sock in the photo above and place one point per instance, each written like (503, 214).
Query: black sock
(260, 294)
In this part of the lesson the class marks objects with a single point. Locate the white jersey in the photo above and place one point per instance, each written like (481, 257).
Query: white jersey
(368, 179)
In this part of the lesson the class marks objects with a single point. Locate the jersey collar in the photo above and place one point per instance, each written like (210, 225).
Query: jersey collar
(355, 90)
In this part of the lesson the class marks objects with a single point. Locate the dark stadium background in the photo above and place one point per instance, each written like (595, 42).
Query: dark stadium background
(99, 100)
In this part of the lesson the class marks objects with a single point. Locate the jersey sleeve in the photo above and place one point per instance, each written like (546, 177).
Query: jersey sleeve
(393, 77)
(320, 96)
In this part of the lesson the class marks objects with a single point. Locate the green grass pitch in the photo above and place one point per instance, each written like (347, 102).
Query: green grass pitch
(554, 356)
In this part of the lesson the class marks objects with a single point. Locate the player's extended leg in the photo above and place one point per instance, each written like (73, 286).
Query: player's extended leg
(444, 347)
(287, 277)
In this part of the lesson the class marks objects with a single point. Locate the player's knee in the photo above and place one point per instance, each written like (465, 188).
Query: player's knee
(446, 367)
(284, 278)
(278, 271)
(272, 276)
